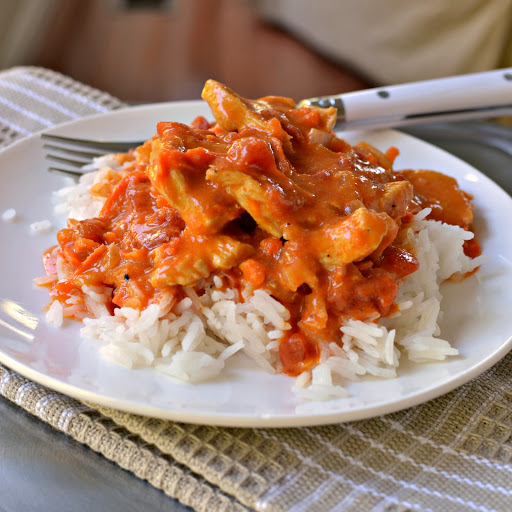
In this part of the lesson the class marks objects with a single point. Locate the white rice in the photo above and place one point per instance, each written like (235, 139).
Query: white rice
(9, 215)
(186, 345)
(55, 314)
(41, 227)
(193, 342)
(75, 201)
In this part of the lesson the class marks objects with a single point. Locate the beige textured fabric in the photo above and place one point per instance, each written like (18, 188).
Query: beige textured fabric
(394, 41)
(88, 427)
(451, 454)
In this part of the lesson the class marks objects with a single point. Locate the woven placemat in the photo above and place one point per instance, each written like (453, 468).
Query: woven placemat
(450, 454)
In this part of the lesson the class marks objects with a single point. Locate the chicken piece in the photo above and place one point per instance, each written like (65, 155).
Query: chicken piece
(298, 260)
(274, 115)
(234, 113)
(395, 199)
(249, 174)
(190, 257)
(254, 197)
(373, 155)
(314, 315)
(316, 119)
(353, 238)
(181, 137)
(179, 175)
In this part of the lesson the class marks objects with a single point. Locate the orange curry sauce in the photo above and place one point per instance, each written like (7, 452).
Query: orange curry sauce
(266, 198)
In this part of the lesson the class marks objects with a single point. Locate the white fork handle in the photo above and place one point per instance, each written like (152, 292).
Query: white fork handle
(459, 96)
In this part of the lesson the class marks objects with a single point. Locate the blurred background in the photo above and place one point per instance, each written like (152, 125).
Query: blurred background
(159, 50)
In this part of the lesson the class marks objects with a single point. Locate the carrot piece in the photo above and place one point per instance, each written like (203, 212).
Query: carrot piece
(91, 259)
(84, 245)
(117, 196)
(110, 237)
(136, 255)
(253, 271)
(271, 246)
(372, 159)
(391, 153)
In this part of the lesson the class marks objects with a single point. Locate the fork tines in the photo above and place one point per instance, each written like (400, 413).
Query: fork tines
(73, 154)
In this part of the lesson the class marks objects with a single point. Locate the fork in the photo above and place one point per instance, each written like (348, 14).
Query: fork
(465, 97)
(77, 154)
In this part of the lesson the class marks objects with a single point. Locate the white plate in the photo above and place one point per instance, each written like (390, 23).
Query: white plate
(477, 311)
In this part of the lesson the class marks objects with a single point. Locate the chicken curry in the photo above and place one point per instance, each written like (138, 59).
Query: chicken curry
(267, 197)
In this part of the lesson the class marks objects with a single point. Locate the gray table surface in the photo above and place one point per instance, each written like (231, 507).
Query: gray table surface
(42, 469)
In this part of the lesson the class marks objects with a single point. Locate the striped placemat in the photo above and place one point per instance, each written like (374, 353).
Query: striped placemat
(450, 454)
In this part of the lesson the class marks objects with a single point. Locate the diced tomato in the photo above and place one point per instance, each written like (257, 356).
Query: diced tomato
(297, 353)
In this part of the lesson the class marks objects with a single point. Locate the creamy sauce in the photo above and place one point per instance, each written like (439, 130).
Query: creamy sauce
(267, 198)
